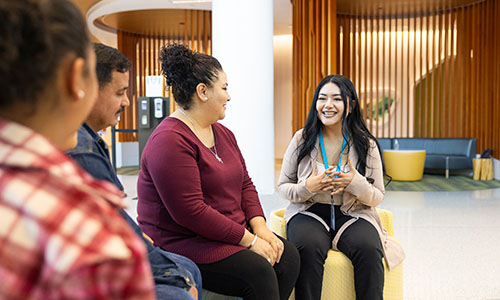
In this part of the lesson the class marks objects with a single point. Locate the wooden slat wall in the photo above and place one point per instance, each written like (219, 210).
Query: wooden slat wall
(495, 70)
(314, 52)
(143, 49)
(442, 69)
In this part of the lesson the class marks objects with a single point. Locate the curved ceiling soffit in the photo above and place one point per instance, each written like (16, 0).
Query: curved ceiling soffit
(107, 7)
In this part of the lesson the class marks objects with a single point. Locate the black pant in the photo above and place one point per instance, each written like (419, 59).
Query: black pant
(248, 275)
(359, 242)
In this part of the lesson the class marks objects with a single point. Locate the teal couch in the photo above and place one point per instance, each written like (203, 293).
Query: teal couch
(441, 153)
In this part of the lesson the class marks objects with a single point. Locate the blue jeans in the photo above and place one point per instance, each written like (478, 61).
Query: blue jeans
(174, 284)
(166, 292)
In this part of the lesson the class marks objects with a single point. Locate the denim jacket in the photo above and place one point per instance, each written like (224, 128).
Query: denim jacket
(92, 154)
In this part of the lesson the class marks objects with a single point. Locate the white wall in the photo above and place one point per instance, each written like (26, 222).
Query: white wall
(127, 154)
(242, 40)
(282, 93)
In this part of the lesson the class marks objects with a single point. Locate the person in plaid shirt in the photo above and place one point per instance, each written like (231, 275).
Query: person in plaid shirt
(61, 236)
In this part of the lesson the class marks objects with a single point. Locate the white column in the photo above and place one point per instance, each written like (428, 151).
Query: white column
(242, 40)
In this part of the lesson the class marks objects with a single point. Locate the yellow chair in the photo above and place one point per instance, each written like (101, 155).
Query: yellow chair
(338, 278)
(405, 165)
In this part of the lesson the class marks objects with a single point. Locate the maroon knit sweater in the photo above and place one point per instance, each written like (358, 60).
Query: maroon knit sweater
(189, 202)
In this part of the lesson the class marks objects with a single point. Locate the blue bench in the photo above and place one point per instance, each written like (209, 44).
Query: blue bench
(441, 153)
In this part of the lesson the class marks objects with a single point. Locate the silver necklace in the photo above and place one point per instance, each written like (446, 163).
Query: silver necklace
(209, 149)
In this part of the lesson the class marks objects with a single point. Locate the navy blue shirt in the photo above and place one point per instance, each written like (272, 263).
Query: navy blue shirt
(92, 154)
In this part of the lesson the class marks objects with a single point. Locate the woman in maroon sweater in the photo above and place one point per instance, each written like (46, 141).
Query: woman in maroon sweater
(195, 196)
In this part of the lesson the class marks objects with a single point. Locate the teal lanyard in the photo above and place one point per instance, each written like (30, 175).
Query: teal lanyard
(325, 161)
(323, 151)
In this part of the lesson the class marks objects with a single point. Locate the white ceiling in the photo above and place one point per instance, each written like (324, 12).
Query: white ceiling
(282, 12)
(282, 9)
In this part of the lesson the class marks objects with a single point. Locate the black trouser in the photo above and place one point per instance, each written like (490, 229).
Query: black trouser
(248, 275)
(360, 242)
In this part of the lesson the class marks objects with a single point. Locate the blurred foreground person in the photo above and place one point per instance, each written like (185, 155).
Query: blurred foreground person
(61, 234)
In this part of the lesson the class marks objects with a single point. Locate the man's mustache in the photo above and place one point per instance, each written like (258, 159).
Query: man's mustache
(120, 110)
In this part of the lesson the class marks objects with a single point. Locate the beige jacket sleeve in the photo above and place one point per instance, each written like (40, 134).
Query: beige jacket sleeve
(365, 192)
(289, 185)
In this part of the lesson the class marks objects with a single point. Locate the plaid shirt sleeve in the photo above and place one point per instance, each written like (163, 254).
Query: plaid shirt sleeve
(62, 242)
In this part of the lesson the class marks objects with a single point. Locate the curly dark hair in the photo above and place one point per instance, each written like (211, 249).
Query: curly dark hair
(35, 37)
(109, 59)
(184, 69)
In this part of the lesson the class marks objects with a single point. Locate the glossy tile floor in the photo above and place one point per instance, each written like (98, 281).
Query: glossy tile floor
(451, 239)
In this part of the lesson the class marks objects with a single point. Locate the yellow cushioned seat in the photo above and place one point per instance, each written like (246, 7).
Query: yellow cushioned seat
(338, 278)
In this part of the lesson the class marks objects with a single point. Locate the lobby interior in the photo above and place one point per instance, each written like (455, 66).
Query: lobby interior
(423, 68)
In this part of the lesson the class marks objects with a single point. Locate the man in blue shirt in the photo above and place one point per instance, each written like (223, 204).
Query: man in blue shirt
(176, 277)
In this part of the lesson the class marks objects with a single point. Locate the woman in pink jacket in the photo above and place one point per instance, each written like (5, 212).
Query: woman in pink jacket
(332, 175)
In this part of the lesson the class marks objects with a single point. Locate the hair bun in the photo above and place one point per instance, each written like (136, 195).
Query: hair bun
(177, 62)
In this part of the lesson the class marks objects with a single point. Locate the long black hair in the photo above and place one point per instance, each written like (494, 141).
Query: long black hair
(353, 126)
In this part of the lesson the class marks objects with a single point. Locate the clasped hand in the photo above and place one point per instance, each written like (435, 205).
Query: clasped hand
(268, 245)
(330, 180)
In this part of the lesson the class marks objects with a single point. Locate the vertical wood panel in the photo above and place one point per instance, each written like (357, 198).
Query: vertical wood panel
(359, 47)
(438, 83)
(401, 79)
(454, 83)
(484, 92)
(315, 47)
(383, 83)
(408, 65)
(446, 76)
(460, 69)
(420, 110)
(479, 70)
(494, 70)
(462, 41)
(473, 72)
(347, 41)
(396, 94)
(365, 72)
(369, 92)
(352, 43)
(415, 35)
(427, 101)
(496, 78)
(473, 77)
(390, 94)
